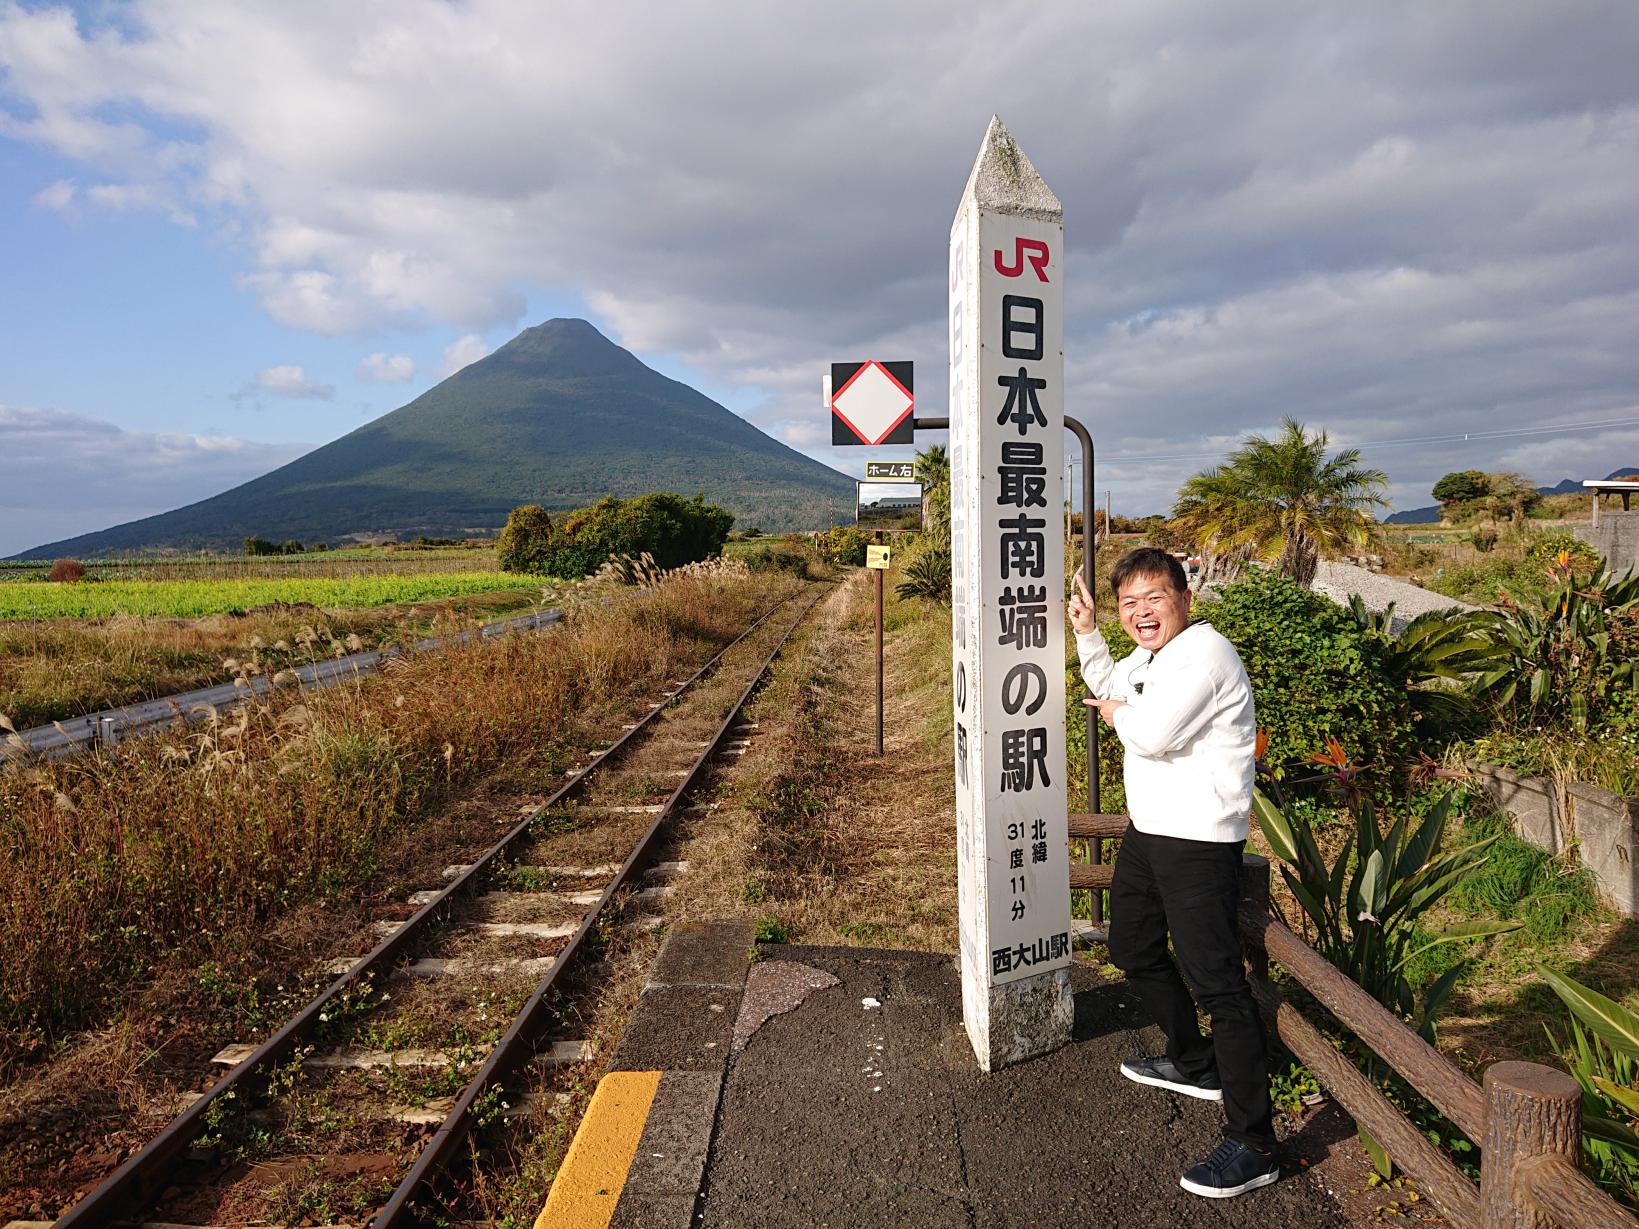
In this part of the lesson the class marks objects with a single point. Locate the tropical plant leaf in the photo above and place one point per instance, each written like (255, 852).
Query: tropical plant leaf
(1379, 1155)
(1275, 827)
(1458, 933)
(1609, 1131)
(1434, 998)
(1627, 1098)
(1612, 1023)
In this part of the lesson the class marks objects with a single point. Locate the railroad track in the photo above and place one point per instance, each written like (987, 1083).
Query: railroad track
(407, 1035)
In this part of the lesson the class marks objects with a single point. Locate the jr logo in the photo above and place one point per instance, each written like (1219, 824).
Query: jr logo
(1033, 251)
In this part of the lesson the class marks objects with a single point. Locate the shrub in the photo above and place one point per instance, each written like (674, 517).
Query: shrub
(927, 576)
(256, 545)
(291, 547)
(671, 529)
(1365, 903)
(1315, 673)
(845, 546)
(1544, 553)
(1570, 658)
(1483, 539)
(526, 542)
(67, 571)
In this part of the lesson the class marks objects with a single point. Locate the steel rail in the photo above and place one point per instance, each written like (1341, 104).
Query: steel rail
(134, 1181)
(514, 1046)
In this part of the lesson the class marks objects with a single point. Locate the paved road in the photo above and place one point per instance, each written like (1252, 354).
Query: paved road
(67, 737)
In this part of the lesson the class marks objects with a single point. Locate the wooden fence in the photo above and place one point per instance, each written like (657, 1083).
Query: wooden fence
(1525, 1117)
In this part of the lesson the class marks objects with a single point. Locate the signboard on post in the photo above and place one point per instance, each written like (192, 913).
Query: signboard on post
(895, 507)
(1007, 587)
(871, 403)
(877, 557)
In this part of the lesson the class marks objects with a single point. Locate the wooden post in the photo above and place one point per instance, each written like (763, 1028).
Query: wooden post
(1255, 893)
(881, 572)
(1530, 1111)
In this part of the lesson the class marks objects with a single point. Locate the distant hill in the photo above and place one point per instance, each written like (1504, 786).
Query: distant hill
(1571, 486)
(559, 416)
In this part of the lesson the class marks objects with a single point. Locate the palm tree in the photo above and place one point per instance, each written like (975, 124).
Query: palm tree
(1283, 500)
(933, 472)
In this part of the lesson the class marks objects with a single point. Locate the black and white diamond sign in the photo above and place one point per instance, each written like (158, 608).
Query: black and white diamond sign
(872, 403)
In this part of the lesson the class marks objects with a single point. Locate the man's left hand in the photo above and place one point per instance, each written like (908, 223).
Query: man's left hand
(1106, 709)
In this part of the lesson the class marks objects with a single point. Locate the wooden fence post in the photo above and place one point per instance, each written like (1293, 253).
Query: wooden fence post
(1530, 1111)
(1255, 892)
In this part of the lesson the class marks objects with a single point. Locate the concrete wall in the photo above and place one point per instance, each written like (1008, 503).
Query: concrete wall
(1604, 826)
(1616, 538)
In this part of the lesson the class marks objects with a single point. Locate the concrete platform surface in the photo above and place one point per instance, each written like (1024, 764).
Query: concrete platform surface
(823, 1086)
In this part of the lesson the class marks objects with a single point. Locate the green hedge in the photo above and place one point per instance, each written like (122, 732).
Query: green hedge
(670, 528)
(1314, 672)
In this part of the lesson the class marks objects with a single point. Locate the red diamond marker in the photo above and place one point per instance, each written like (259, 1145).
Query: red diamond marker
(872, 403)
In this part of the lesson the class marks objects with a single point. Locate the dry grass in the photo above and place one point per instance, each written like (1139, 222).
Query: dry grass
(56, 669)
(185, 837)
(815, 833)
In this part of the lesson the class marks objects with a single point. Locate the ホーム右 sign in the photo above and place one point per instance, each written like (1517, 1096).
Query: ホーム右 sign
(1007, 590)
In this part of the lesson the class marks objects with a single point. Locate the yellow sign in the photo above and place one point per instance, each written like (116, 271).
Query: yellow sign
(876, 557)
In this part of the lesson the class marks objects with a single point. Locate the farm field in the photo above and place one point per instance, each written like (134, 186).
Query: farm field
(195, 598)
(338, 564)
(140, 629)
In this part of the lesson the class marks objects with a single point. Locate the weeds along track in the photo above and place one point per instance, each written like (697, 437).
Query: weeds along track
(465, 1012)
(109, 726)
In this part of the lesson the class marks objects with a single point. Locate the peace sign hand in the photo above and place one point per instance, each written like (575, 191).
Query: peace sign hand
(1080, 607)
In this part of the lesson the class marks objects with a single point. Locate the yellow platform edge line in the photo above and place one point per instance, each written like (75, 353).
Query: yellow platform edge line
(593, 1174)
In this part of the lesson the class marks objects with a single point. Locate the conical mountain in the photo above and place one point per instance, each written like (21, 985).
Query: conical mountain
(559, 416)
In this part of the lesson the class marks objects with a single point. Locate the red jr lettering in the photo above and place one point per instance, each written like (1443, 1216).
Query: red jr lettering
(1032, 250)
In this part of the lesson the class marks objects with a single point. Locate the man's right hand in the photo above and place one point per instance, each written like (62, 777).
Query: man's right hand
(1080, 607)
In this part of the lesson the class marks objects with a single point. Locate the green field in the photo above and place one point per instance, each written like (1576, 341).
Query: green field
(196, 598)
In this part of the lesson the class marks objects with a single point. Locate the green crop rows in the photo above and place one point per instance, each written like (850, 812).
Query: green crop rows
(194, 598)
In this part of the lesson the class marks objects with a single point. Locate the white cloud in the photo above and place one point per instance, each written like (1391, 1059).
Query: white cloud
(1383, 219)
(463, 352)
(292, 380)
(382, 368)
(58, 195)
(116, 474)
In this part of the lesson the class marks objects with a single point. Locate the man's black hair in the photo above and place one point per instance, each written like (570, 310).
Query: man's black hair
(1147, 561)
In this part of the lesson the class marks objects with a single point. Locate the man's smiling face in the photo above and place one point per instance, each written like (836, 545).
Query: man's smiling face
(1152, 611)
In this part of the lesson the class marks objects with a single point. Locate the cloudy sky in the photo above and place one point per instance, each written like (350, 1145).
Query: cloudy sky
(232, 231)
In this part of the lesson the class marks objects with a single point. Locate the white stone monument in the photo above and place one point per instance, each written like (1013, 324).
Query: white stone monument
(1007, 588)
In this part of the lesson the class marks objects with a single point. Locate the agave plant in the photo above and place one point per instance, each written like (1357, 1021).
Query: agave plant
(927, 576)
(1366, 903)
(1434, 658)
(1603, 1054)
(1568, 654)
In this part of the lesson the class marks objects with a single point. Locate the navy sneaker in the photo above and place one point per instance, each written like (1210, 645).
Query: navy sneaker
(1161, 1072)
(1232, 1169)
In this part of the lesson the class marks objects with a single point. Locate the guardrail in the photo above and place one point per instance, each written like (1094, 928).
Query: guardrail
(1526, 1118)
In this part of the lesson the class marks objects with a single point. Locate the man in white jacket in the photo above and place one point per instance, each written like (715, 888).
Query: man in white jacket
(1182, 706)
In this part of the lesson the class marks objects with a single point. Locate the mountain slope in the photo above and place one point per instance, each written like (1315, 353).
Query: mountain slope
(559, 416)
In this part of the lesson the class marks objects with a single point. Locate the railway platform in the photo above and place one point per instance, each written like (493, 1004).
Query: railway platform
(781, 1085)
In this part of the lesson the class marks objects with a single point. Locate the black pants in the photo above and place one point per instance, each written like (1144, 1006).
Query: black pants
(1193, 890)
